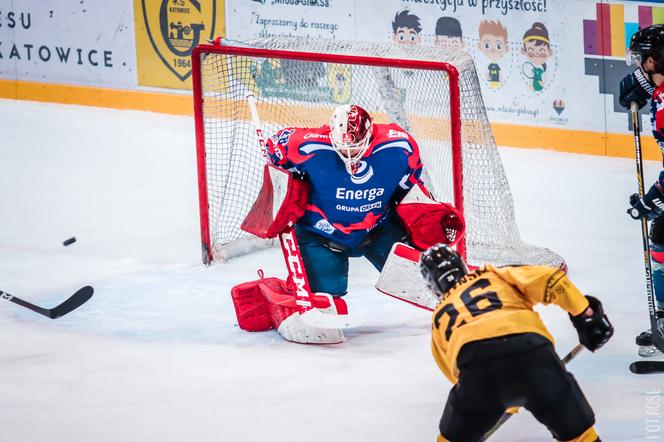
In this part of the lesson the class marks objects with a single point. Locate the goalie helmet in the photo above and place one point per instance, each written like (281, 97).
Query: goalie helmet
(441, 268)
(350, 134)
(648, 42)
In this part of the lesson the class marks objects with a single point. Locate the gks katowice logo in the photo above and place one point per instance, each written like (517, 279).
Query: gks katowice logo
(176, 28)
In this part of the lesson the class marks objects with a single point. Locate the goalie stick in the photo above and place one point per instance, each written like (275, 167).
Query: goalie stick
(655, 323)
(309, 314)
(506, 416)
(72, 303)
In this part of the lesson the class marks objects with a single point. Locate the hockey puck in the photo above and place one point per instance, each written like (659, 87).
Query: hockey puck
(69, 241)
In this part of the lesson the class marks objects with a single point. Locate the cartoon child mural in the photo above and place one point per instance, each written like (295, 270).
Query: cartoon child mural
(493, 44)
(537, 49)
(407, 28)
(339, 81)
(448, 34)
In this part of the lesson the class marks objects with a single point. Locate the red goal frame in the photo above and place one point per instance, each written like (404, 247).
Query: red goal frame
(202, 50)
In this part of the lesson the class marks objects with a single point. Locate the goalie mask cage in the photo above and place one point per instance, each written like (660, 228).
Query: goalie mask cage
(432, 93)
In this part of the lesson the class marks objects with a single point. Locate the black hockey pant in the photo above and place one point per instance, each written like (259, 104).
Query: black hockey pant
(514, 371)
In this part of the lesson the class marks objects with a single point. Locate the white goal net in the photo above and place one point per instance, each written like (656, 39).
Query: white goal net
(432, 93)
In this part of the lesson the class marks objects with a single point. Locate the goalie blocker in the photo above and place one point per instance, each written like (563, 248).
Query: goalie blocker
(271, 303)
(428, 222)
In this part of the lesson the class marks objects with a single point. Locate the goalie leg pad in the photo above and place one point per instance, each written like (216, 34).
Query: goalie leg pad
(286, 319)
(294, 330)
(401, 278)
(339, 304)
(251, 307)
(280, 301)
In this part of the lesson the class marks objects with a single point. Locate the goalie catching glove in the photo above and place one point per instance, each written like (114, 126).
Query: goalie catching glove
(430, 222)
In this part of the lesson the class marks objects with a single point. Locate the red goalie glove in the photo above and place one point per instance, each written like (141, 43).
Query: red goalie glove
(429, 222)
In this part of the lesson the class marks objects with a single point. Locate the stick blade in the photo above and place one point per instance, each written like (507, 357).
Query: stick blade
(73, 302)
(646, 367)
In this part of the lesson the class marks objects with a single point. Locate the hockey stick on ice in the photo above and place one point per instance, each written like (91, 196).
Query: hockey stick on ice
(657, 338)
(72, 303)
(646, 367)
(303, 296)
(505, 417)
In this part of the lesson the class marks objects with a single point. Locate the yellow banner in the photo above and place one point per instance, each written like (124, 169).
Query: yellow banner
(166, 33)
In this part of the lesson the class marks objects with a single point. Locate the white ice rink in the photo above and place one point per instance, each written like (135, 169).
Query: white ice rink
(155, 355)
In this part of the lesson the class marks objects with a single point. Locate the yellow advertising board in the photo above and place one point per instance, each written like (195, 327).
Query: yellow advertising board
(166, 33)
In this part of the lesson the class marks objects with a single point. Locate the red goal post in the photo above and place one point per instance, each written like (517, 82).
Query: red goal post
(299, 81)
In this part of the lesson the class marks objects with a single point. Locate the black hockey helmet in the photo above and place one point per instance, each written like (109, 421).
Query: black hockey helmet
(647, 42)
(441, 268)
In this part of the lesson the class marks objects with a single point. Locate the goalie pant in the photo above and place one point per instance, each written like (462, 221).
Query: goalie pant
(326, 263)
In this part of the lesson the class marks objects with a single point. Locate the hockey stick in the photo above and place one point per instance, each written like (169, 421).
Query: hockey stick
(646, 367)
(506, 416)
(657, 339)
(72, 303)
(296, 271)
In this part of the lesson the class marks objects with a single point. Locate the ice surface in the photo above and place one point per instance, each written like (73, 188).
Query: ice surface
(155, 355)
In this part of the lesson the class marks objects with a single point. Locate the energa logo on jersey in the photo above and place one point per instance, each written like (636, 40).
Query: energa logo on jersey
(360, 194)
(176, 27)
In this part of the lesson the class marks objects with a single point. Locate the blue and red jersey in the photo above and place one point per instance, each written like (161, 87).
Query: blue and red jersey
(657, 121)
(657, 115)
(342, 207)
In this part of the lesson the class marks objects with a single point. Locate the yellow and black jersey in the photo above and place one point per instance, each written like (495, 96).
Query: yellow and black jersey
(493, 302)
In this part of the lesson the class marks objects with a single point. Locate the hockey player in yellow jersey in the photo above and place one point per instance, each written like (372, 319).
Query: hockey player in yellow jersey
(495, 349)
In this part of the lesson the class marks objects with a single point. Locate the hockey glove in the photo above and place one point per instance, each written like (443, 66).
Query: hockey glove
(594, 331)
(648, 207)
(635, 87)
